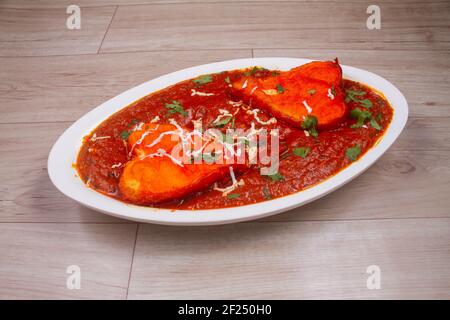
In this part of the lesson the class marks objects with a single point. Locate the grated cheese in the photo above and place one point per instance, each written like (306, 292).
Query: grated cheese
(255, 115)
(234, 184)
(308, 108)
(202, 94)
(270, 92)
(330, 94)
(95, 138)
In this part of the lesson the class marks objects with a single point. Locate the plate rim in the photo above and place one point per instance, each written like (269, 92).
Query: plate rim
(72, 186)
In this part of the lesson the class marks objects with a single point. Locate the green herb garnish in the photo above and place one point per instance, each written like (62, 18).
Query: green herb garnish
(253, 71)
(125, 134)
(175, 107)
(353, 152)
(280, 88)
(361, 117)
(374, 124)
(310, 124)
(301, 152)
(352, 95)
(312, 92)
(233, 195)
(207, 78)
(333, 92)
(222, 122)
(276, 177)
(366, 103)
(379, 117)
(227, 80)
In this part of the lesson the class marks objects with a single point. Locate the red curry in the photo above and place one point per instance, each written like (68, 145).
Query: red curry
(305, 159)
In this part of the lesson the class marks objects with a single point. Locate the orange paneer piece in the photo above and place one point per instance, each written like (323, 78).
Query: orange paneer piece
(314, 89)
(155, 174)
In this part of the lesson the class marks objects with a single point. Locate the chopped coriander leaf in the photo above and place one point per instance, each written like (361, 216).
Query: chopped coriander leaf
(134, 121)
(207, 78)
(361, 117)
(312, 92)
(379, 117)
(175, 107)
(276, 177)
(253, 71)
(374, 124)
(366, 103)
(274, 73)
(233, 195)
(280, 88)
(222, 122)
(353, 152)
(333, 92)
(301, 152)
(125, 134)
(256, 69)
(310, 124)
(351, 95)
(266, 193)
(227, 80)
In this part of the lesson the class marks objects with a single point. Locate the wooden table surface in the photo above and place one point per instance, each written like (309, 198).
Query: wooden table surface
(395, 216)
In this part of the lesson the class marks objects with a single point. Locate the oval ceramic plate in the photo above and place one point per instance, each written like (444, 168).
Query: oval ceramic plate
(64, 152)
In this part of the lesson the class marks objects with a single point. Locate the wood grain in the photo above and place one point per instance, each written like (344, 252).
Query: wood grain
(40, 4)
(43, 89)
(395, 215)
(63, 88)
(299, 260)
(33, 32)
(35, 258)
(417, 167)
(323, 25)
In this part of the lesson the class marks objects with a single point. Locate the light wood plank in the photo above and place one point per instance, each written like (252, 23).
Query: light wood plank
(411, 180)
(323, 25)
(422, 76)
(40, 4)
(35, 89)
(35, 258)
(302, 260)
(64, 88)
(32, 32)
(27, 189)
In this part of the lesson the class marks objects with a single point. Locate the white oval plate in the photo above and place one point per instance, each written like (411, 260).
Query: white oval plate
(64, 151)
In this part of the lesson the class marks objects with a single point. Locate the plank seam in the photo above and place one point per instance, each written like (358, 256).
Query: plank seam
(107, 29)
